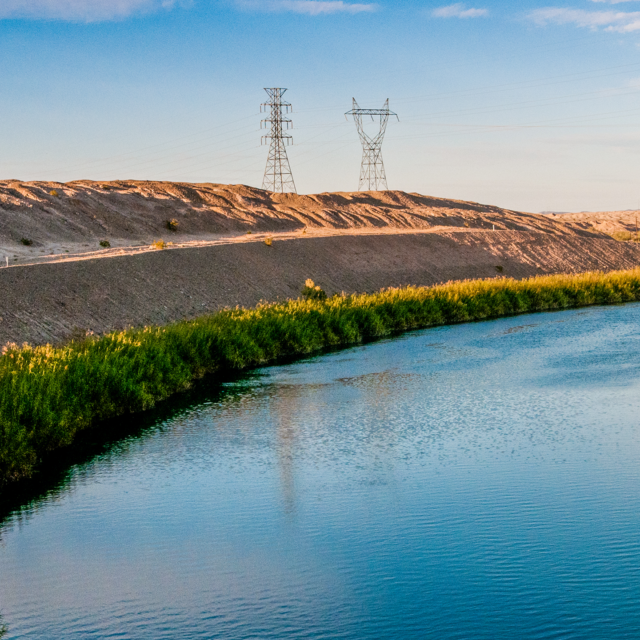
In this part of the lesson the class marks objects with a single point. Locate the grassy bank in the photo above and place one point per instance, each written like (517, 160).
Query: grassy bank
(48, 395)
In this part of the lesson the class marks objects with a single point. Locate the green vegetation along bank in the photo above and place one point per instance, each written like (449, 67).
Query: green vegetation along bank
(48, 395)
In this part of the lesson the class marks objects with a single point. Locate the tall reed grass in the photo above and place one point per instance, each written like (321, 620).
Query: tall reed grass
(48, 395)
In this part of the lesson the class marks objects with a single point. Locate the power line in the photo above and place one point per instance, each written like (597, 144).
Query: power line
(372, 174)
(277, 174)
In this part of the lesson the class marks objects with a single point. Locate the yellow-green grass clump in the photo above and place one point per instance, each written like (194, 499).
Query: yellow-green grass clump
(48, 394)
(625, 236)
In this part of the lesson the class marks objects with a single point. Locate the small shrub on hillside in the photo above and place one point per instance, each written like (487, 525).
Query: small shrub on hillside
(159, 244)
(625, 236)
(54, 193)
(171, 225)
(268, 241)
(312, 291)
(26, 242)
(105, 243)
(499, 268)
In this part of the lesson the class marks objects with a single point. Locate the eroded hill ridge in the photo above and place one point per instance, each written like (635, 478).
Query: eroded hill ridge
(75, 216)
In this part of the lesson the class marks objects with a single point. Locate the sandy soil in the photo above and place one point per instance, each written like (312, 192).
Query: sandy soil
(601, 221)
(72, 218)
(350, 242)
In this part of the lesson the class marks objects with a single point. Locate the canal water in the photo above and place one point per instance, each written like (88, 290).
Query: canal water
(479, 481)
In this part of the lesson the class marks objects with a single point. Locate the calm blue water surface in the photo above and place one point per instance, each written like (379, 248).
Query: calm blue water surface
(477, 481)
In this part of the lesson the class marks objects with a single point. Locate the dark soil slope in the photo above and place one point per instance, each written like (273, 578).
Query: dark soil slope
(46, 302)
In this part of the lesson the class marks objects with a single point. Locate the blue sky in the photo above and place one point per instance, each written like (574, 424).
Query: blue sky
(530, 105)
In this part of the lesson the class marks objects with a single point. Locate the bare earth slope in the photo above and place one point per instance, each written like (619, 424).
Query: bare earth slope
(73, 217)
(601, 221)
(345, 242)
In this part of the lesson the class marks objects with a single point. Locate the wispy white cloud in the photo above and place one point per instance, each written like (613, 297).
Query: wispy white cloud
(458, 10)
(613, 1)
(79, 10)
(100, 10)
(619, 21)
(308, 7)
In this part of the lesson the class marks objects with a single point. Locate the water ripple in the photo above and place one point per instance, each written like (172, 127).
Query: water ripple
(479, 481)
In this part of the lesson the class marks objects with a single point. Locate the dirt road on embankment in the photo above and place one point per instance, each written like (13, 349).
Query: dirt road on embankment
(64, 281)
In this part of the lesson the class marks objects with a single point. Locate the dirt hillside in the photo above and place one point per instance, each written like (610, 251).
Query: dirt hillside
(72, 218)
(62, 280)
(610, 222)
(47, 302)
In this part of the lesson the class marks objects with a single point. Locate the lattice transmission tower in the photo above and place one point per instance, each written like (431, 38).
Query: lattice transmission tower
(372, 174)
(277, 175)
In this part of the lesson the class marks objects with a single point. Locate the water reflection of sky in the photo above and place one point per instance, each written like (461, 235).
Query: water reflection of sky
(479, 481)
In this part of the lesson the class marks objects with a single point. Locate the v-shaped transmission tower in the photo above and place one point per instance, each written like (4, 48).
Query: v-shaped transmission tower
(372, 174)
(277, 175)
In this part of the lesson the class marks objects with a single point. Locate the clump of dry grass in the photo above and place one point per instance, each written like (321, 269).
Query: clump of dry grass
(159, 244)
(625, 236)
(171, 225)
(268, 241)
(48, 395)
(312, 291)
